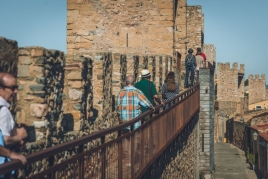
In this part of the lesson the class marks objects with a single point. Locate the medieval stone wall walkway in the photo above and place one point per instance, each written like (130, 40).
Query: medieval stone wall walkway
(230, 163)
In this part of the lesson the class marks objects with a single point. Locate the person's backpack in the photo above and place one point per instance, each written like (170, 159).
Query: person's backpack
(189, 62)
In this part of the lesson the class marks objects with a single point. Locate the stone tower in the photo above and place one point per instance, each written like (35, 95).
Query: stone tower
(256, 88)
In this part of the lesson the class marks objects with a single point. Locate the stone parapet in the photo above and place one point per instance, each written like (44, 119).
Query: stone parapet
(39, 100)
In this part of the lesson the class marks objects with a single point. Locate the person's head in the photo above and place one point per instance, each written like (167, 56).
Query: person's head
(8, 86)
(190, 50)
(198, 49)
(170, 75)
(145, 74)
(130, 80)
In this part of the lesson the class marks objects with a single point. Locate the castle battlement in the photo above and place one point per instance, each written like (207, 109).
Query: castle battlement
(226, 67)
(242, 68)
(256, 77)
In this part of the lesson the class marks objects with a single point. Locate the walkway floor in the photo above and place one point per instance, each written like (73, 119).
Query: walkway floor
(230, 163)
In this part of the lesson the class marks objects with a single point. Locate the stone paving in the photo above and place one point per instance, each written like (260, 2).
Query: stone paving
(230, 163)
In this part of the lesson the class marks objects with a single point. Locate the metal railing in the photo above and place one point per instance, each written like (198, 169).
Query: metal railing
(128, 155)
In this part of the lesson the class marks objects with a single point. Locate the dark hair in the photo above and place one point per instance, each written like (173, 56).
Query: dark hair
(170, 74)
(198, 49)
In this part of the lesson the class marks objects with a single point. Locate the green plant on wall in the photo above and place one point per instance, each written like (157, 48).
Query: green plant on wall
(250, 157)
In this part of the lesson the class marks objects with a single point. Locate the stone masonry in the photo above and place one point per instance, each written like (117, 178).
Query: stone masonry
(8, 55)
(210, 51)
(230, 96)
(120, 26)
(256, 88)
(149, 27)
(39, 100)
(206, 119)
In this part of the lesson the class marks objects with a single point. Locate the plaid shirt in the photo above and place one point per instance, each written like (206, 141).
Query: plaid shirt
(128, 102)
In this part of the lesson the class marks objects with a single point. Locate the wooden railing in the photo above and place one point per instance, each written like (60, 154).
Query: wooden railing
(126, 156)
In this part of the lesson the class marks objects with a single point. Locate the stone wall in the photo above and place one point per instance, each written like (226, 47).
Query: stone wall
(180, 159)
(210, 51)
(8, 55)
(239, 138)
(138, 27)
(228, 86)
(39, 100)
(256, 88)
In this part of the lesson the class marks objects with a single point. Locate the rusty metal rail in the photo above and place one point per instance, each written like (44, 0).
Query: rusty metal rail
(124, 156)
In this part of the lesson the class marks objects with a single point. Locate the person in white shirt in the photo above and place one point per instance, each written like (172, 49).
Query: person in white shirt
(8, 91)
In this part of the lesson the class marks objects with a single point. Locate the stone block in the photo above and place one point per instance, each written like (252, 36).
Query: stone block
(24, 60)
(77, 106)
(39, 124)
(75, 94)
(76, 115)
(36, 87)
(75, 84)
(22, 70)
(37, 52)
(74, 75)
(41, 80)
(40, 60)
(38, 110)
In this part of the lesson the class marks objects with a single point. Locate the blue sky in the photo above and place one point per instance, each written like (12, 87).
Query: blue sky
(238, 29)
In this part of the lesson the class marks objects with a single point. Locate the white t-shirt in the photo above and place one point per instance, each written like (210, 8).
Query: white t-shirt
(199, 61)
(7, 123)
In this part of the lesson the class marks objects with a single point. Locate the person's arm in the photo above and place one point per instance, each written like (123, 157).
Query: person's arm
(12, 155)
(143, 101)
(155, 95)
(12, 140)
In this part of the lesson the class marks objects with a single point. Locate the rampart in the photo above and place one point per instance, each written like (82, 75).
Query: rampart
(256, 88)
(63, 97)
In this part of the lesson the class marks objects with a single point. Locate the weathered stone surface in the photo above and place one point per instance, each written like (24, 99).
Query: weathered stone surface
(75, 94)
(38, 110)
(38, 87)
(22, 70)
(24, 60)
(75, 84)
(74, 75)
(39, 124)
(37, 52)
(77, 106)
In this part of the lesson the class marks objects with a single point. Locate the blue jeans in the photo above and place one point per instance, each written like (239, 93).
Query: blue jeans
(188, 70)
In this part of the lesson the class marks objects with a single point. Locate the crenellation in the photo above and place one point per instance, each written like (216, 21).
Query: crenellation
(242, 68)
(263, 77)
(235, 66)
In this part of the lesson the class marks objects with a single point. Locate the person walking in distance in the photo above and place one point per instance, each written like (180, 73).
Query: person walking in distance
(190, 64)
